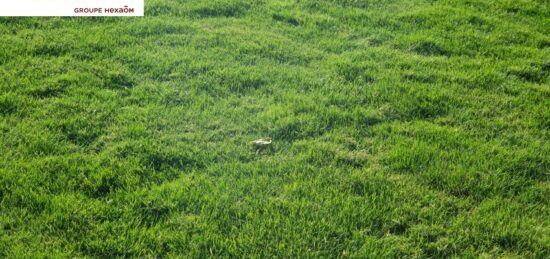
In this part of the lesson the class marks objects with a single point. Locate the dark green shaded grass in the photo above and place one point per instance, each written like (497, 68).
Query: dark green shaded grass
(400, 128)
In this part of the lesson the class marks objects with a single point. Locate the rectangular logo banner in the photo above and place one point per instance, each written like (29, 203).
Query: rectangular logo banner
(71, 7)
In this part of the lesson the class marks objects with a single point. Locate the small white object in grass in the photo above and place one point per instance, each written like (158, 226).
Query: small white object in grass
(262, 142)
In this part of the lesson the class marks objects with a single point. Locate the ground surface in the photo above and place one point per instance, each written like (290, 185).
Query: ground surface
(400, 128)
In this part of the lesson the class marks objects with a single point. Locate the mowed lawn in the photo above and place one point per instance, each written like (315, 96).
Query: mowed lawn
(400, 129)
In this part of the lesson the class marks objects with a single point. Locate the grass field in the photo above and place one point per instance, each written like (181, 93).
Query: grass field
(400, 129)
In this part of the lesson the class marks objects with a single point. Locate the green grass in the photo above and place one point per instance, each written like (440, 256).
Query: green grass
(400, 129)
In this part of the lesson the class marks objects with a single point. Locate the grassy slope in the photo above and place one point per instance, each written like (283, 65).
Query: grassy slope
(401, 128)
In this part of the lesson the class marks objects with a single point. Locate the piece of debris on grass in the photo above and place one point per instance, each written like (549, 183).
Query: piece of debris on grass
(261, 144)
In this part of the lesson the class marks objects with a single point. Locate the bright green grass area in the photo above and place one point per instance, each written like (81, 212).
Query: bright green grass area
(400, 129)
